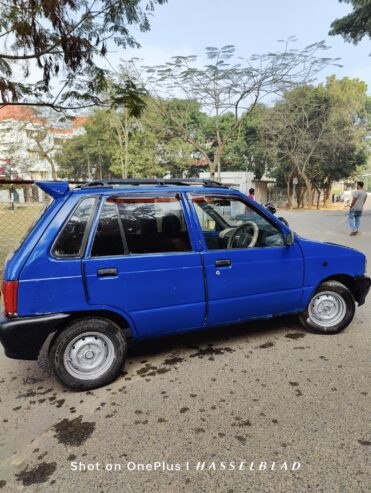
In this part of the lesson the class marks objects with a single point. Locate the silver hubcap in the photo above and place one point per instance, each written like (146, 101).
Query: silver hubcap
(89, 355)
(327, 309)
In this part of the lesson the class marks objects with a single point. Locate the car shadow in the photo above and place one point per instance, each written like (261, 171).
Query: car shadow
(253, 330)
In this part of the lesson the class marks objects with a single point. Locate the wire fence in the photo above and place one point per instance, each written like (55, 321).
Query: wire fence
(21, 202)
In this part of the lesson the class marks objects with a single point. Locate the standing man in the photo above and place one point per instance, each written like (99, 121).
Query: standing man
(356, 208)
(251, 193)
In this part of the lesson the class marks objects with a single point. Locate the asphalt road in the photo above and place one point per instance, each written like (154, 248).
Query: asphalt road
(263, 392)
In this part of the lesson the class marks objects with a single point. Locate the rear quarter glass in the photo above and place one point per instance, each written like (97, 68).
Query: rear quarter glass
(71, 239)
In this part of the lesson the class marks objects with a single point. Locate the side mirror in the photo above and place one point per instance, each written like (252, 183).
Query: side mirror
(289, 238)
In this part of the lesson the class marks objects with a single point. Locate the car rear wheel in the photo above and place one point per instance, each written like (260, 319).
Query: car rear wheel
(330, 310)
(88, 354)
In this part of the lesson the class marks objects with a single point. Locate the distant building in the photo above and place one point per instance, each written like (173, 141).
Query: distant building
(21, 129)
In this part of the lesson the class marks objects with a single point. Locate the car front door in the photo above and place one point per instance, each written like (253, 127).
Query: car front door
(142, 263)
(250, 272)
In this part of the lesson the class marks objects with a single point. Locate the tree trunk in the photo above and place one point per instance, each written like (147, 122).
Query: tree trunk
(121, 156)
(217, 163)
(52, 166)
(213, 166)
(288, 193)
(300, 195)
(308, 189)
(126, 159)
(313, 195)
(48, 158)
(326, 193)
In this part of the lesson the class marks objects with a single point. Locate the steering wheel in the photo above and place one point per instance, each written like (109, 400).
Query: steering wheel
(241, 228)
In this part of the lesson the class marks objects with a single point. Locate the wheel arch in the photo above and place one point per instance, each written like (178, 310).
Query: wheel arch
(347, 280)
(118, 319)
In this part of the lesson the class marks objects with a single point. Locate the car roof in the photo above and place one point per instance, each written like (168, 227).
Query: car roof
(152, 183)
(136, 186)
(151, 189)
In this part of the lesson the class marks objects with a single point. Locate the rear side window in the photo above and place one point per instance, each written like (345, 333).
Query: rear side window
(108, 240)
(71, 240)
(141, 225)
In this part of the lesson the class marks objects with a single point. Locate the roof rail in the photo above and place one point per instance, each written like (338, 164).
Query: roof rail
(154, 181)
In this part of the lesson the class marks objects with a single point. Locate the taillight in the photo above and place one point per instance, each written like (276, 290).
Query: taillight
(10, 293)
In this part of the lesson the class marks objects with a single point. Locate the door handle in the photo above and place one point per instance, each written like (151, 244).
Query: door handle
(223, 263)
(107, 272)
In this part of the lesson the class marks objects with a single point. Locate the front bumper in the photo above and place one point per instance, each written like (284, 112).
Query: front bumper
(23, 337)
(362, 287)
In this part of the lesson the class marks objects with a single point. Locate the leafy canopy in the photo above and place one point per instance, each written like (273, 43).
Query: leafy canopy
(64, 40)
(317, 134)
(117, 145)
(226, 89)
(354, 26)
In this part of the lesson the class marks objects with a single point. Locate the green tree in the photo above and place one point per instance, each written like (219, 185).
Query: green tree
(343, 150)
(356, 25)
(147, 147)
(178, 159)
(294, 130)
(117, 145)
(89, 155)
(247, 151)
(75, 160)
(226, 87)
(317, 135)
(66, 39)
(178, 156)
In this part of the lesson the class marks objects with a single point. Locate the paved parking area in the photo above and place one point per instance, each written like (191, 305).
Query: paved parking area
(263, 392)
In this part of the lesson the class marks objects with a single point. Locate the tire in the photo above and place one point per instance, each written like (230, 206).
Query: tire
(330, 310)
(89, 353)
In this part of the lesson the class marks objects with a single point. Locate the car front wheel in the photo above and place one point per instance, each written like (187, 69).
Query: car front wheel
(330, 310)
(88, 354)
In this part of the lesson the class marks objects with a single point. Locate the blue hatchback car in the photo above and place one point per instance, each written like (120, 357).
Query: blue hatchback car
(134, 259)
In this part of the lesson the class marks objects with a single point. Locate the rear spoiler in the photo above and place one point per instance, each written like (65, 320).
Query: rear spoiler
(55, 189)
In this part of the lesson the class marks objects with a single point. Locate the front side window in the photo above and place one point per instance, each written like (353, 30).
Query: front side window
(228, 222)
(141, 225)
(70, 241)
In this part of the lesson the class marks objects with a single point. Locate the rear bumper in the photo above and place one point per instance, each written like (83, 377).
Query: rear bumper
(23, 337)
(363, 284)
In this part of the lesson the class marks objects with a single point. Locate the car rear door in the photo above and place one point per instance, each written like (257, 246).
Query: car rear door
(245, 283)
(141, 262)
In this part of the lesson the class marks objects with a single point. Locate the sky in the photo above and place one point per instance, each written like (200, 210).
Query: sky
(185, 27)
